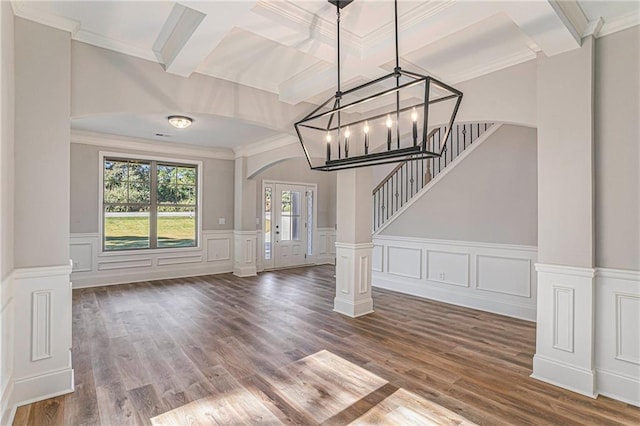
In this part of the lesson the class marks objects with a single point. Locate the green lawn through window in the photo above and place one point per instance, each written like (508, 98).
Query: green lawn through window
(125, 233)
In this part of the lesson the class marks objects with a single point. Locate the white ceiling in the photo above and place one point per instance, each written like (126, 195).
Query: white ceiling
(288, 47)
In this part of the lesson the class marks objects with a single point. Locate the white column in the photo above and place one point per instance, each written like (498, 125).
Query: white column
(565, 314)
(353, 243)
(244, 222)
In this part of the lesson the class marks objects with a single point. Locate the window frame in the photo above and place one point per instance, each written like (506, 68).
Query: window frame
(152, 202)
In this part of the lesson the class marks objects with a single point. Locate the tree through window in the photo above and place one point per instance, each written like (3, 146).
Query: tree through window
(149, 204)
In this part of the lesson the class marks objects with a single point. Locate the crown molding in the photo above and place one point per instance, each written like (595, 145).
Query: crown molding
(21, 9)
(593, 28)
(268, 144)
(572, 15)
(622, 23)
(149, 146)
(115, 45)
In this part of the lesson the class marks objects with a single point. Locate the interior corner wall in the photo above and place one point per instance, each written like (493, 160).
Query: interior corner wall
(7, 92)
(42, 133)
(489, 197)
(7, 117)
(617, 150)
(297, 170)
(217, 189)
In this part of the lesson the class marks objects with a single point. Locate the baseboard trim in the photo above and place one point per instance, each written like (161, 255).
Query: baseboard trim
(576, 379)
(617, 386)
(99, 279)
(245, 271)
(44, 386)
(423, 289)
(353, 310)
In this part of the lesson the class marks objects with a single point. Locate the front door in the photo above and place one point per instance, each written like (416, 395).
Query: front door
(289, 225)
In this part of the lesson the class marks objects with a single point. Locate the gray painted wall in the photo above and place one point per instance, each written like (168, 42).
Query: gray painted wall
(42, 108)
(7, 96)
(217, 191)
(491, 196)
(565, 158)
(297, 170)
(617, 158)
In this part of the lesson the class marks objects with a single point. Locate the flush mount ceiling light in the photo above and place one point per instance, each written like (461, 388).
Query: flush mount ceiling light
(180, 121)
(381, 121)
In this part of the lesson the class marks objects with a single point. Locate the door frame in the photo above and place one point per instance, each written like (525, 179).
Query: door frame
(310, 259)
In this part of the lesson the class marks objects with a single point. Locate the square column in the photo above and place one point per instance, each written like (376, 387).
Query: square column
(244, 222)
(354, 246)
(566, 284)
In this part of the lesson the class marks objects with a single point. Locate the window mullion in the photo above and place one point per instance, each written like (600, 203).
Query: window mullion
(153, 208)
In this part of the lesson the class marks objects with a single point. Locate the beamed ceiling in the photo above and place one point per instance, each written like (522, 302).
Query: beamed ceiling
(289, 47)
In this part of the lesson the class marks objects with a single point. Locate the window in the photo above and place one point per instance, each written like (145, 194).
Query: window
(149, 204)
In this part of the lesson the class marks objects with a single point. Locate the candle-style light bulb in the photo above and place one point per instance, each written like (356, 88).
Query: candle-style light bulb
(414, 118)
(328, 146)
(347, 133)
(366, 137)
(389, 125)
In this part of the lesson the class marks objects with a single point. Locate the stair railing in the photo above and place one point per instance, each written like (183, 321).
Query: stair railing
(410, 176)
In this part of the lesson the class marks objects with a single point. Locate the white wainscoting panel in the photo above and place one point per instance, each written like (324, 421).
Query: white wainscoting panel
(92, 268)
(42, 350)
(244, 261)
(6, 349)
(41, 325)
(448, 267)
(325, 250)
(617, 346)
(563, 318)
(353, 279)
(377, 258)
(492, 277)
(404, 261)
(505, 275)
(565, 328)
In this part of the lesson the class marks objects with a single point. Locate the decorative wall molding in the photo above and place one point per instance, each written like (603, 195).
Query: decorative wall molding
(353, 280)
(617, 344)
(325, 246)
(244, 261)
(42, 334)
(149, 146)
(7, 324)
(454, 272)
(566, 328)
(91, 268)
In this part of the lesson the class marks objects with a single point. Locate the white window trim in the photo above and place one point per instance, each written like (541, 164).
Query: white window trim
(125, 155)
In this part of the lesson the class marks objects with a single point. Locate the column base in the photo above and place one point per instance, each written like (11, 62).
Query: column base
(353, 310)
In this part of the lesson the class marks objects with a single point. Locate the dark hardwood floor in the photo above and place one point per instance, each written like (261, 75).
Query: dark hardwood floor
(227, 350)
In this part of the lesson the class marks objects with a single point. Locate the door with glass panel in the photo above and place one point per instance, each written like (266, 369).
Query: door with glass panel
(288, 225)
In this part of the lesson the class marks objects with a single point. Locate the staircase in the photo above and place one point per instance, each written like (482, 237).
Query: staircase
(410, 176)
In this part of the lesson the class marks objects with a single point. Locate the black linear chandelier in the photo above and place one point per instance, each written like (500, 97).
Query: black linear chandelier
(357, 129)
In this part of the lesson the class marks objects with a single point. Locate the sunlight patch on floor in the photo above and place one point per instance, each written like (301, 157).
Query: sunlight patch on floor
(322, 387)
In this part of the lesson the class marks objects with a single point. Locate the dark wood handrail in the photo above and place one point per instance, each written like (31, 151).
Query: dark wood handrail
(399, 166)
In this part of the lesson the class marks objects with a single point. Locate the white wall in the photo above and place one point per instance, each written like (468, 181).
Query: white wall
(7, 99)
(617, 156)
(490, 196)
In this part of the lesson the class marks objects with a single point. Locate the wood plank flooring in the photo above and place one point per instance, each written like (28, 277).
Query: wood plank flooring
(227, 350)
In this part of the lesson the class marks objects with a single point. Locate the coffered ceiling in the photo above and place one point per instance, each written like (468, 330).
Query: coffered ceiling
(289, 47)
